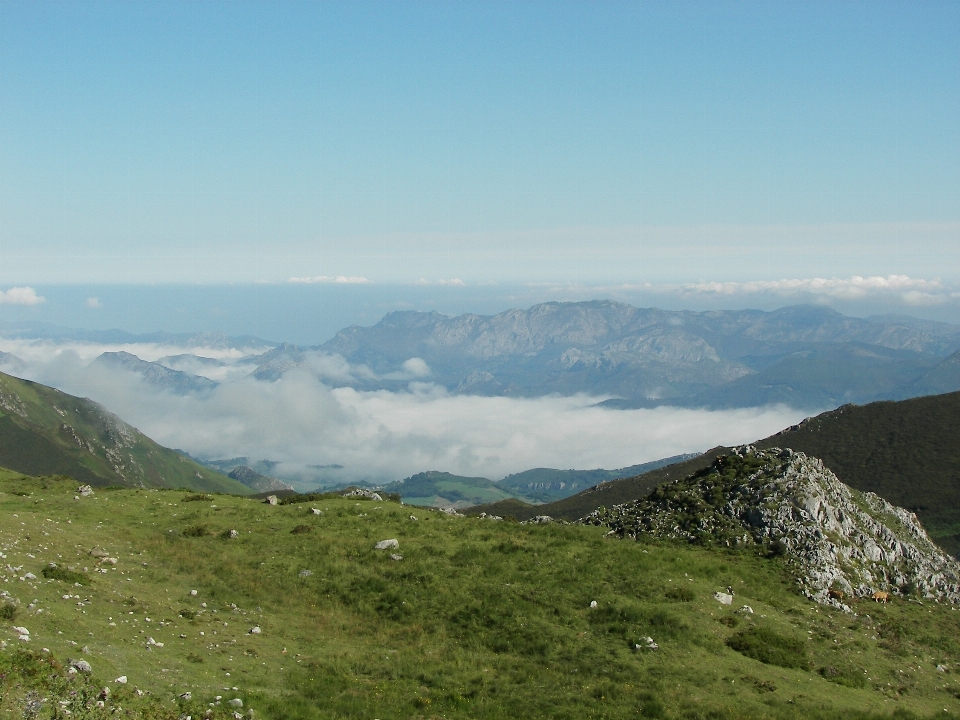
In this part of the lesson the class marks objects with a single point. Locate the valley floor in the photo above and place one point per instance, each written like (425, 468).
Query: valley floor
(478, 619)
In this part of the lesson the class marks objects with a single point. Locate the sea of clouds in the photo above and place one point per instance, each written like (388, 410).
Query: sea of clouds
(301, 420)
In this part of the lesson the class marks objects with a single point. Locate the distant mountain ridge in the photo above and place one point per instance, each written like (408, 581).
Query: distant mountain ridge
(46, 432)
(806, 356)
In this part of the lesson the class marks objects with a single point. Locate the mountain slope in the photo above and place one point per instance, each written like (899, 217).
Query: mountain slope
(907, 452)
(155, 374)
(44, 431)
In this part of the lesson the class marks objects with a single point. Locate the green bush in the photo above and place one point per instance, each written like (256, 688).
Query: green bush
(301, 529)
(8, 611)
(195, 531)
(681, 594)
(199, 497)
(844, 676)
(64, 575)
(769, 647)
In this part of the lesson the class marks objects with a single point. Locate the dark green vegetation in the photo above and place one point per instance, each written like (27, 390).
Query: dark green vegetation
(480, 619)
(46, 432)
(907, 452)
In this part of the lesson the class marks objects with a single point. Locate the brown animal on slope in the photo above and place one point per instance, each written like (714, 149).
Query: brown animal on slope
(881, 597)
(835, 594)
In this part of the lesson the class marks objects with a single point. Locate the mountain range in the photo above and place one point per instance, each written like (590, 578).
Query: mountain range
(807, 357)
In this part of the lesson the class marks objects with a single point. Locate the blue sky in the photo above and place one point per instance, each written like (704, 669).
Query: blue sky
(506, 142)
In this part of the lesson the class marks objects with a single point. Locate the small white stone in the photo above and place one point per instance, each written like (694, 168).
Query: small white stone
(255, 630)
(122, 680)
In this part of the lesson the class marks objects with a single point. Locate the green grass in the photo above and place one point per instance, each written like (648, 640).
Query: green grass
(480, 619)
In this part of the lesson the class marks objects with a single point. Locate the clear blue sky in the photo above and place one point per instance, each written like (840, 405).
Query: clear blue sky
(511, 142)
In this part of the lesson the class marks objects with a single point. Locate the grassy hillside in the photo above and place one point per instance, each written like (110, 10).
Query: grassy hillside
(479, 619)
(44, 431)
(908, 452)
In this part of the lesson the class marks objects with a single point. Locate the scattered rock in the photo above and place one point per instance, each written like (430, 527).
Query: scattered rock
(193, 593)
(413, 517)
(316, 511)
(21, 630)
(255, 630)
(81, 666)
(235, 703)
(305, 573)
(29, 576)
(85, 491)
(186, 696)
(451, 511)
(538, 520)
(387, 544)
(98, 553)
(484, 516)
(233, 534)
(122, 680)
(723, 598)
(593, 603)
(271, 500)
(745, 610)
(363, 493)
(394, 556)
(646, 643)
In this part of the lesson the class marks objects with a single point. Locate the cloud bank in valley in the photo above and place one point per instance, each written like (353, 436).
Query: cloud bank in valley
(381, 436)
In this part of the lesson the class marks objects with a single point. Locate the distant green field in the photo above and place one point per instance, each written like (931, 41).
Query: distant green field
(479, 619)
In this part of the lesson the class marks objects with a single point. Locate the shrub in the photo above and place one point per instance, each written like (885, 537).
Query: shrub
(301, 529)
(8, 611)
(681, 594)
(769, 647)
(64, 575)
(844, 676)
(195, 531)
(187, 614)
(194, 658)
(199, 497)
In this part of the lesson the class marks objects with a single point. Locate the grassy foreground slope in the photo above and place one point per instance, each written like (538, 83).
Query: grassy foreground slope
(44, 431)
(479, 619)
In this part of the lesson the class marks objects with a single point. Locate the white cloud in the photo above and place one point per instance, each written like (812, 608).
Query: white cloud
(452, 282)
(846, 288)
(94, 303)
(20, 296)
(339, 279)
(382, 435)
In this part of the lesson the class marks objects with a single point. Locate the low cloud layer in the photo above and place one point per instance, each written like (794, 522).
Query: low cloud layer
(381, 436)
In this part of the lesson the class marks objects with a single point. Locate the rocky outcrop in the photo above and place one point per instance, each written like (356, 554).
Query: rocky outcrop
(831, 536)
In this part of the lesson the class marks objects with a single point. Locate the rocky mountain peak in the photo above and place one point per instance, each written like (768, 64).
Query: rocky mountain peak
(832, 537)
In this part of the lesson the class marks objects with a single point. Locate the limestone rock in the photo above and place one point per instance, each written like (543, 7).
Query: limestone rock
(387, 544)
(829, 535)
